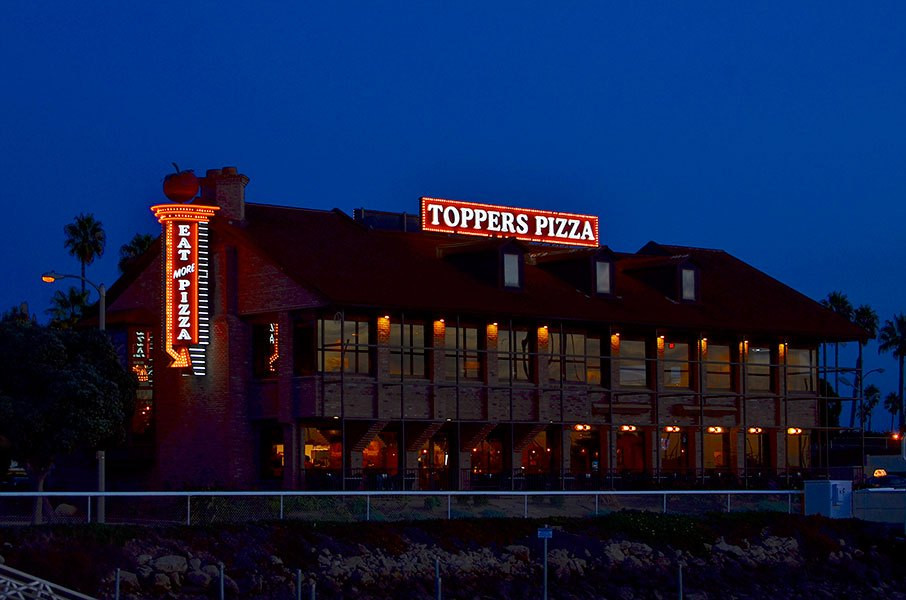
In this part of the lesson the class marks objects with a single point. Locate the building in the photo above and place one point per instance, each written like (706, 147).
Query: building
(340, 352)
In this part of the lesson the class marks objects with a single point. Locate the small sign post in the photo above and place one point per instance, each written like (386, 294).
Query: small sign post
(545, 533)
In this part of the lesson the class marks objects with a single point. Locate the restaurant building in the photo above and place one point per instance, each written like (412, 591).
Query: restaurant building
(309, 349)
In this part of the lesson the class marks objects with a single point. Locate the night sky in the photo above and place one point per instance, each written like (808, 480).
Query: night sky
(775, 131)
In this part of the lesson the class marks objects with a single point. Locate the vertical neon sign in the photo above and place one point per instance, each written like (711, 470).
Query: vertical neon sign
(185, 275)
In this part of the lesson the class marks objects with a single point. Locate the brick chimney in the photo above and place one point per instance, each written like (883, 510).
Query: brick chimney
(225, 188)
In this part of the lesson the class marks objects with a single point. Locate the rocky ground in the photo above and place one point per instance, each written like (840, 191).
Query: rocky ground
(624, 556)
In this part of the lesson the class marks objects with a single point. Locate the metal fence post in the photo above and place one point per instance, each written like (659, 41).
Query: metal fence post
(438, 584)
(188, 510)
(116, 588)
(281, 507)
(221, 581)
(789, 503)
(89, 509)
(298, 584)
(449, 501)
(312, 594)
(525, 507)
(596, 505)
(367, 508)
(728, 503)
(665, 502)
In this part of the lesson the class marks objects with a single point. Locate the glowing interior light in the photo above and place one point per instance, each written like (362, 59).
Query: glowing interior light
(794, 431)
(671, 429)
(628, 428)
(715, 429)
(755, 430)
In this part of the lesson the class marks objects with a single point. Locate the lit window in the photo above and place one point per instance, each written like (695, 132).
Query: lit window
(511, 270)
(688, 284)
(344, 346)
(758, 369)
(717, 367)
(602, 276)
(461, 357)
(632, 363)
(514, 354)
(676, 365)
(407, 349)
(800, 373)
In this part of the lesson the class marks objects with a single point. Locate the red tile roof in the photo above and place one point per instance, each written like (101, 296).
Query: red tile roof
(353, 266)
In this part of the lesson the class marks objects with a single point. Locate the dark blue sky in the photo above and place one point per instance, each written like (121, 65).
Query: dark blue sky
(775, 131)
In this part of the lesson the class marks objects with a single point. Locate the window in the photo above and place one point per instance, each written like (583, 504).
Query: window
(511, 271)
(676, 365)
(265, 349)
(717, 368)
(579, 358)
(407, 349)
(632, 363)
(461, 358)
(602, 276)
(688, 284)
(514, 354)
(344, 346)
(758, 369)
(800, 373)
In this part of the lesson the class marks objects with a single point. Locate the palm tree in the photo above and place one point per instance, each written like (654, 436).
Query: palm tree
(66, 308)
(892, 338)
(872, 397)
(892, 404)
(840, 304)
(865, 317)
(133, 249)
(85, 239)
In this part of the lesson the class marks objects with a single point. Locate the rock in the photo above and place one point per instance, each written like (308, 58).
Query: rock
(198, 578)
(276, 560)
(176, 578)
(614, 553)
(65, 510)
(211, 570)
(143, 559)
(195, 564)
(171, 564)
(162, 583)
(129, 581)
(520, 552)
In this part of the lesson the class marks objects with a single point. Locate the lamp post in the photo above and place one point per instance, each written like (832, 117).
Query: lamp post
(51, 277)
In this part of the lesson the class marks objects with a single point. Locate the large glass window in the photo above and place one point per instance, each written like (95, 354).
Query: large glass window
(461, 357)
(632, 363)
(717, 367)
(514, 358)
(344, 346)
(407, 349)
(758, 369)
(689, 284)
(800, 372)
(676, 365)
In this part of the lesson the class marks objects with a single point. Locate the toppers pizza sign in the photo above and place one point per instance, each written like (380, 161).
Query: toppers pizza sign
(470, 218)
(185, 240)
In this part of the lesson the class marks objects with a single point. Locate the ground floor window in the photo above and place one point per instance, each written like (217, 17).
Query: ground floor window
(675, 454)
(631, 452)
(716, 449)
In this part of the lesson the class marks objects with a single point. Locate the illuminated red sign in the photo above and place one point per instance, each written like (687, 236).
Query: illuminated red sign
(182, 267)
(471, 218)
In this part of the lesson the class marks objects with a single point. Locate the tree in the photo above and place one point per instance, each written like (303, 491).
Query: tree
(840, 304)
(872, 397)
(892, 405)
(134, 248)
(85, 239)
(892, 338)
(66, 308)
(865, 317)
(61, 390)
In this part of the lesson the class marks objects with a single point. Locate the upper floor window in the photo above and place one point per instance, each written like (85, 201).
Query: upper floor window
(633, 371)
(688, 283)
(574, 358)
(676, 365)
(717, 368)
(344, 346)
(461, 357)
(514, 358)
(603, 272)
(800, 372)
(407, 349)
(511, 277)
(758, 369)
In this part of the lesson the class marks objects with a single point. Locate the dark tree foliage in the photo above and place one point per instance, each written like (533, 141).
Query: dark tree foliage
(60, 391)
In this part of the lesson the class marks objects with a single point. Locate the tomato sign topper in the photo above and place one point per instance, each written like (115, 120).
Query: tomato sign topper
(470, 218)
(185, 281)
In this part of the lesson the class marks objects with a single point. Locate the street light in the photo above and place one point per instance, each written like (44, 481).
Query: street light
(51, 277)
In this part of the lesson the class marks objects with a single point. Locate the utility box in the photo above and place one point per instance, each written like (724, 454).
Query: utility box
(832, 498)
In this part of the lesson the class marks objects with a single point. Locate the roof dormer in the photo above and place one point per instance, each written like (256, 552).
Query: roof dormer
(497, 262)
(590, 271)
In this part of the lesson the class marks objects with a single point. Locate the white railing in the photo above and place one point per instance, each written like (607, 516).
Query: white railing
(194, 507)
(16, 584)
